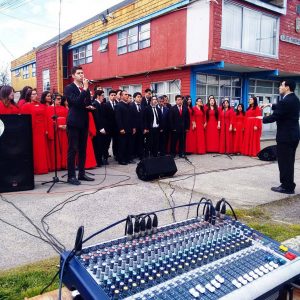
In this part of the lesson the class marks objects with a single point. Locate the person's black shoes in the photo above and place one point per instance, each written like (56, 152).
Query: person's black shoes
(105, 162)
(85, 178)
(74, 181)
(123, 163)
(280, 189)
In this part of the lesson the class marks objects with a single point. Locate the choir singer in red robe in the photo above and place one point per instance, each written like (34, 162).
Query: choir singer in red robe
(7, 104)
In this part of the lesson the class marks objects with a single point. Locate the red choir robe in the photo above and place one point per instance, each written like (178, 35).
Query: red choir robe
(200, 119)
(38, 113)
(21, 102)
(90, 161)
(226, 136)
(190, 141)
(8, 110)
(61, 137)
(251, 144)
(212, 133)
(238, 132)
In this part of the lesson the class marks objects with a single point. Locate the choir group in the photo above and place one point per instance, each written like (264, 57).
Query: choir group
(137, 126)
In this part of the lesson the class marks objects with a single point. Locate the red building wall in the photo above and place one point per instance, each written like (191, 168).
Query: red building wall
(168, 49)
(288, 54)
(47, 59)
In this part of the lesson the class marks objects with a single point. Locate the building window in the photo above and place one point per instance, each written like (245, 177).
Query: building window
(103, 45)
(46, 80)
(248, 30)
(106, 91)
(134, 38)
(220, 87)
(169, 88)
(26, 72)
(265, 90)
(83, 55)
(17, 73)
(131, 89)
(33, 70)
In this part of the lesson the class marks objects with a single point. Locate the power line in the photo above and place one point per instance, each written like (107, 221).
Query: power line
(3, 45)
(13, 4)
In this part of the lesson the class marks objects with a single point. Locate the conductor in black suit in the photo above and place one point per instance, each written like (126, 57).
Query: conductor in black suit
(79, 101)
(179, 123)
(152, 119)
(286, 116)
(164, 134)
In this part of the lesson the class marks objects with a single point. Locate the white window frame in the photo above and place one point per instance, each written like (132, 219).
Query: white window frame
(106, 91)
(83, 55)
(166, 89)
(103, 44)
(132, 39)
(18, 73)
(25, 72)
(46, 80)
(241, 49)
(131, 88)
(33, 70)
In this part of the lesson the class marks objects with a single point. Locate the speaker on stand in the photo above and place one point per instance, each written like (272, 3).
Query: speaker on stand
(268, 153)
(16, 159)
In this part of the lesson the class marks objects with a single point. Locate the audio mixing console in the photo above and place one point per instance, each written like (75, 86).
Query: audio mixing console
(192, 259)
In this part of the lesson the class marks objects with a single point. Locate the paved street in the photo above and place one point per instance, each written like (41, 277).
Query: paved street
(243, 181)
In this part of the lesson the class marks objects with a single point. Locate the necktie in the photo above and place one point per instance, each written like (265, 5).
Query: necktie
(139, 107)
(155, 115)
(180, 110)
(81, 89)
(113, 105)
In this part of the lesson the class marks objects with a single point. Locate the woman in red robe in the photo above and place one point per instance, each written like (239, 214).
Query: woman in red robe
(238, 129)
(226, 133)
(190, 140)
(90, 161)
(22, 99)
(253, 127)
(38, 113)
(7, 104)
(200, 118)
(60, 112)
(212, 126)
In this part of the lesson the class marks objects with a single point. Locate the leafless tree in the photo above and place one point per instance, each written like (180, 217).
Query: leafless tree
(4, 75)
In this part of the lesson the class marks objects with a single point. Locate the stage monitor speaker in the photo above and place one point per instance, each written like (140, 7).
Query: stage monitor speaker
(268, 154)
(16, 158)
(155, 167)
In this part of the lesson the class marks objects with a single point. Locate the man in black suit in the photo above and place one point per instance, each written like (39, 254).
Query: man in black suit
(79, 101)
(164, 134)
(179, 123)
(137, 141)
(125, 129)
(286, 116)
(147, 98)
(99, 140)
(109, 130)
(152, 122)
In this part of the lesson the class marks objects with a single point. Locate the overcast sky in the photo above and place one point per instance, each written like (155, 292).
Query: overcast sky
(29, 23)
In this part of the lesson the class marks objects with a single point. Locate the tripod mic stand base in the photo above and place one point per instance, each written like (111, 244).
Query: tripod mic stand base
(54, 180)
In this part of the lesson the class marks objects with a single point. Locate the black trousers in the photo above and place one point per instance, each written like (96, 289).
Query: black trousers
(137, 145)
(180, 138)
(163, 142)
(101, 145)
(77, 139)
(124, 141)
(286, 160)
(152, 142)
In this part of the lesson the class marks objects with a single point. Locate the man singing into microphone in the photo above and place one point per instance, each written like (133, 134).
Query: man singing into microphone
(79, 101)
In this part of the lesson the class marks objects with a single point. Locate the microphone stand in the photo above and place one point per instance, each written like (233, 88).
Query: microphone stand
(55, 178)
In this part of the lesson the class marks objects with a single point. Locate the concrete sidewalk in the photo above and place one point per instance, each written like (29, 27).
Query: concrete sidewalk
(117, 192)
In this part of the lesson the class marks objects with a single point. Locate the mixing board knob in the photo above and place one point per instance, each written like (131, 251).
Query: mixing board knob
(210, 288)
(200, 288)
(215, 283)
(236, 283)
(274, 265)
(263, 269)
(194, 293)
(219, 278)
(253, 275)
(258, 272)
(269, 267)
(248, 278)
(242, 280)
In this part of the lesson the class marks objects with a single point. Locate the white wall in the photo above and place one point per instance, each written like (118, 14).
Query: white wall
(197, 38)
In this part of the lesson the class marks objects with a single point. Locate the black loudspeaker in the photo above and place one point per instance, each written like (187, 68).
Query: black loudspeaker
(155, 167)
(268, 154)
(16, 158)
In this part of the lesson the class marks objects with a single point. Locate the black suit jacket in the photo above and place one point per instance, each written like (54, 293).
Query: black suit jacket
(77, 100)
(123, 117)
(286, 115)
(148, 117)
(179, 123)
(145, 102)
(108, 118)
(137, 117)
(165, 118)
(98, 115)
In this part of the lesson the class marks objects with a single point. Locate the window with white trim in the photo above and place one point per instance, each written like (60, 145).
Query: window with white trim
(169, 88)
(46, 80)
(33, 70)
(106, 91)
(18, 73)
(132, 88)
(83, 55)
(134, 38)
(248, 30)
(103, 45)
(25, 72)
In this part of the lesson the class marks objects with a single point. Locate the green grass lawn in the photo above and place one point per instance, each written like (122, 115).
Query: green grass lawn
(28, 281)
